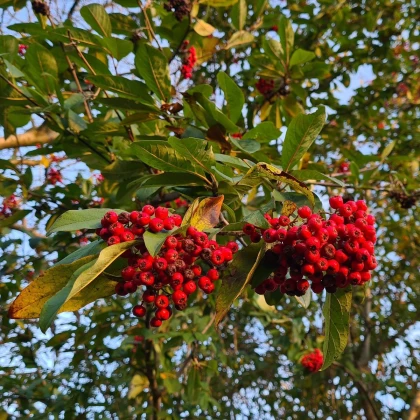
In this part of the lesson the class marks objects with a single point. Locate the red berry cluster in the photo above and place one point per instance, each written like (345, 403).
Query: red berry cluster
(54, 176)
(188, 63)
(22, 49)
(265, 86)
(177, 203)
(331, 253)
(313, 361)
(175, 272)
(237, 135)
(9, 204)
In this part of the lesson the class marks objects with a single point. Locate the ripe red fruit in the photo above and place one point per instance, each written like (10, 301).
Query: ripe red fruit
(233, 246)
(162, 314)
(161, 213)
(134, 216)
(314, 223)
(171, 242)
(145, 263)
(201, 239)
(328, 251)
(154, 322)
(341, 256)
(270, 235)
(204, 282)
(144, 219)
(169, 223)
(127, 236)
(156, 225)
(130, 287)
(217, 257)
(355, 278)
(312, 257)
(176, 279)
(313, 243)
(227, 253)
(317, 288)
(146, 278)
(336, 202)
(213, 274)
(113, 240)
(304, 212)
(345, 210)
(302, 285)
(111, 217)
(196, 269)
(191, 231)
(160, 264)
(128, 273)
(149, 296)
(116, 228)
(321, 264)
(313, 361)
(189, 287)
(255, 237)
(139, 311)
(248, 228)
(179, 297)
(284, 221)
(177, 219)
(119, 289)
(171, 255)
(148, 209)
(137, 229)
(308, 270)
(333, 266)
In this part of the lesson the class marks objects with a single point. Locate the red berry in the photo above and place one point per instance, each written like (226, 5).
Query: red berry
(328, 251)
(313, 243)
(312, 257)
(169, 223)
(171, 242)
(154, 322)
(119, 289)
(139, 311)
(345, 210)
(189, 287)
(113, 240)
(137, 229)
(361, 205)
(160, 264)
(116, 228)
(255, 237)
(308, 270)
(146, 278)
(321, 264)
(176, 279)
(171, 255)
(163, 314)
(248, 229)
(317, 288)
(179, 297)
(145, 263)
(191, 231)
(128, 273)
(336, 202)
(161, 213)
(314, 223)
(227, 253)
(204, 282)
(217, 257)
(134, 216)
(341, 256)
(111, 217)
(150, 210)
(201, 239)
(355, 278)
(333, 266)
(302, 285)
(127, 236)
(196, 270)
(233, 246)
(149, 296)
(213, 274)
(156, 225)
(177, 219)
(270, 235)
(274, 222)
(284, 221)
(144, 219)
(130, 287)
(304, 212)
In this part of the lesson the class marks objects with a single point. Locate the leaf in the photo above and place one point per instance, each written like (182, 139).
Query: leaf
(152, 66)
(219, 3)
(172, 179)
(233, 95)
(239, 274)
(30, 301)
(249, 146)
(287, 36)
(42, 68)
(336, 313)
(106, 258)
(300, 134)
(257, 219)
(231, 161)
(238, 14)
(53, 304)
(204, 214)
(15, 217)
(239, 39)
(194, 150)
(155, 241)
(79, 219)
(305, 174)
(97, 17)
(131, 89)
(263, 132)
(289, 207)
(137, 385)
(300, 57)
(305, 300)
(203, 28)
(266, 170)
(193, 385)
(93, 248)
(273, 298)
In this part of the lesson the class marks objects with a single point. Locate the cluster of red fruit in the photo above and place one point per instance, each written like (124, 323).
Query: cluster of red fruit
(9, 203)
(22, 49)
(188, 63)
(237, 135)
(175, 272)
(313, 361)
(54, 176)
(265, 86)
(331, 253)
(177, 203)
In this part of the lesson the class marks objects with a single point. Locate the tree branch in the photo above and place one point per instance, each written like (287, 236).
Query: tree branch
(34, 136)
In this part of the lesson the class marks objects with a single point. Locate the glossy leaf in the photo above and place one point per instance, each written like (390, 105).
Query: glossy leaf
(97, 17)
(233, 95)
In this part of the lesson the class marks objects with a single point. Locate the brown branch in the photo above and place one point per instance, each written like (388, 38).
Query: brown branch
(73, 9)
(414, 413)
(34, 136)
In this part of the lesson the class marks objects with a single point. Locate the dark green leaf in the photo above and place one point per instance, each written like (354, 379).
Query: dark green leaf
(233, 95)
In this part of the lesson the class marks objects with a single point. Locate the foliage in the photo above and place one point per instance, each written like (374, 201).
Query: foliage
(97, 115)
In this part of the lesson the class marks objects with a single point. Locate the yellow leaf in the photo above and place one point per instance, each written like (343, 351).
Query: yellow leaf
(204, 214)
(288, 208)
(31, 300)
(206, 51)
(203, 28)
(137, 385)
(45, 162)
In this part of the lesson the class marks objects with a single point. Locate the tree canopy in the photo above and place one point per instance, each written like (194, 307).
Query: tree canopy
(221, 111)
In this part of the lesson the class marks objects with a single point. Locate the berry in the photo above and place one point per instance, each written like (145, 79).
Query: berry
(179, 297)
(156, 225)
(161, 213)
(113, 240)
(233, 246)
(217, 258)
(111, 217)
(128, 273)
(162, 314)
(304, 212)
(139, 311)
(336, 202)
(189, 287)
(155, 322)
(248, 228)
(284, 221)
(213, 274)
(270, 235)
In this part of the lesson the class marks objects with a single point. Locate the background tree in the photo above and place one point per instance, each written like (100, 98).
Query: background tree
(82, 85)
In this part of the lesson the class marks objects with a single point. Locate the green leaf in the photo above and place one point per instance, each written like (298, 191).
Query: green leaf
(152, 66)
(274, 298)
(155, 241)
(42, 68)
(172, 179)
(257, 218)
(305, 174)
(263, 132)
(300, 134)
(239, 39)
(193, 385)
(336, 313)
(231, 161)
(301, 57)
(203, 28)
(287, 36)
(53, 304)
(219, 3)
(79, 219)
(104, 260)
(15, 217)
(131, 89)
(238, 14)
(233, 95)
(93, 248)
(249, 146)
(305, 300)
(97, 17)
(237, 276)
(196, 150)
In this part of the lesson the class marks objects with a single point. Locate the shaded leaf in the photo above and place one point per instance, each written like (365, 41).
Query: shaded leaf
(233, 95)
(97, 17)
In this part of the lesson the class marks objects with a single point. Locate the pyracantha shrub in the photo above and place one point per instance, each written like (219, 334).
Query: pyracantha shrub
(54, 176)
(318, 250)
(187, 260)
(313, 361)
(9, 204)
